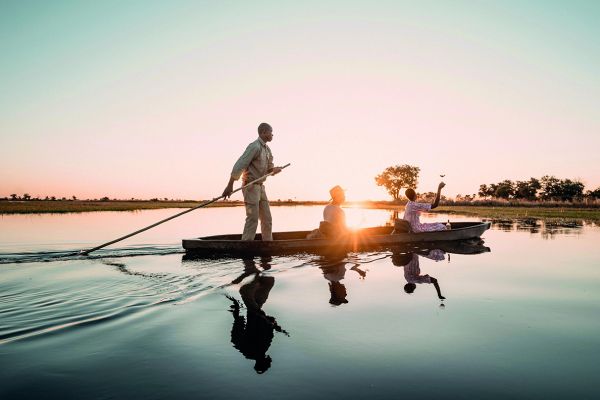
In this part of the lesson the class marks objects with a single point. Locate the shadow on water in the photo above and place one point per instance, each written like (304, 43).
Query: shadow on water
(253, 331)
(409, 260)
(252, 335)
(333, 267)
(412, 271)
(142, 285)
(73, 255)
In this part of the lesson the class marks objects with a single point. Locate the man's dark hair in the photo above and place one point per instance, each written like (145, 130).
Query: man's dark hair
(263, 127)
(411, 194)
(262, 364)
(410, 287)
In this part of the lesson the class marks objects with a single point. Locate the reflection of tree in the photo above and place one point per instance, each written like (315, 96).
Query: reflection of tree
(503, 224)
(253, 335)
(530, 225)
(547, 229)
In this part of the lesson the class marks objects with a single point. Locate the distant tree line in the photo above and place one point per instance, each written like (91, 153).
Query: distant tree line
(28, 197)
(546, 188)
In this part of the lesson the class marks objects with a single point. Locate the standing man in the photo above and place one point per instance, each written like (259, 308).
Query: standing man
(256, 161)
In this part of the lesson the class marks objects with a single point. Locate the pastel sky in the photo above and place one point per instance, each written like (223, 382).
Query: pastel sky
(159, 98)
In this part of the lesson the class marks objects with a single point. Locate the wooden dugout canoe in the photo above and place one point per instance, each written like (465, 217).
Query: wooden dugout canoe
(296, 242)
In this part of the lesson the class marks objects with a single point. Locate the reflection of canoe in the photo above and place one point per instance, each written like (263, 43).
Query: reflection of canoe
(468, 246)
(464, 247)
(286, 242)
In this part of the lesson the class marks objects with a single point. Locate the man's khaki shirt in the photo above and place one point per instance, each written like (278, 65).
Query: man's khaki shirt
(256, 161)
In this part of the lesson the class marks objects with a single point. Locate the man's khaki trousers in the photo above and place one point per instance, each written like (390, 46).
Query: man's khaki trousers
(257, 207)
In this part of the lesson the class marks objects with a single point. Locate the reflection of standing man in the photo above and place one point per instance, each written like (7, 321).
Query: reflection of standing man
(256, 161)
(253, 336)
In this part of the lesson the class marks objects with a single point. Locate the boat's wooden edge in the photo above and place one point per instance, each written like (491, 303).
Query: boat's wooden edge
(322, 245)
(214, 238)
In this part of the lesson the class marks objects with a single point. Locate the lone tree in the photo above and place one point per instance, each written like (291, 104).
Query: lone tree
(396, 177)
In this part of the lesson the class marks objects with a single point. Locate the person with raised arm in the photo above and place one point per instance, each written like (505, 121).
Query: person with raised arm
(413, 208)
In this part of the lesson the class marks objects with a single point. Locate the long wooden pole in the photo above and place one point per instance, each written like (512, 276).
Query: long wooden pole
(86, 252)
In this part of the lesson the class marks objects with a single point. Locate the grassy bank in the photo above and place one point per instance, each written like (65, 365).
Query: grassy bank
(510, 212)
(78, 206)
(588, 214)
(483, 211)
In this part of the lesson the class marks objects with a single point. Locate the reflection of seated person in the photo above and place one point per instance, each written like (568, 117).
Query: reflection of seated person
(253, 336)
(334, 270)
(413, 208)
(334, 218)
(337, 290)
(412, 272)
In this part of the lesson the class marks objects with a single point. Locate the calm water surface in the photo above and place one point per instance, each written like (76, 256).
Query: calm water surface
(140, 320)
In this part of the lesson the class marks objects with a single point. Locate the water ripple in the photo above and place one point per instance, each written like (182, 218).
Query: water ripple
(41, 299)
(70, 255)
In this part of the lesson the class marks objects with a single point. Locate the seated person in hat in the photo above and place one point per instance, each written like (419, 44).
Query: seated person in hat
(333, 213)
(334, 218)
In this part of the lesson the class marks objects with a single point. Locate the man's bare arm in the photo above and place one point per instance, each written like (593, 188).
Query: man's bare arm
(437, 288)
(436, 202)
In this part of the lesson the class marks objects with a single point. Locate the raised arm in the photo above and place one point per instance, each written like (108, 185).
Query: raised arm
(437, 288)
(436, 202)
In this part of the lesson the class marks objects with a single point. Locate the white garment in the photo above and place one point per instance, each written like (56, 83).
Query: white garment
(412, 272)
(257, 208)
(411, 214)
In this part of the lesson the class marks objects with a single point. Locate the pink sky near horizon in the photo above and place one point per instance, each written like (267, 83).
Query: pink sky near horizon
(480, 100)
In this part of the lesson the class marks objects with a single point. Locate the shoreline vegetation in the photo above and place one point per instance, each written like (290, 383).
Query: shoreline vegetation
(484, 208)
